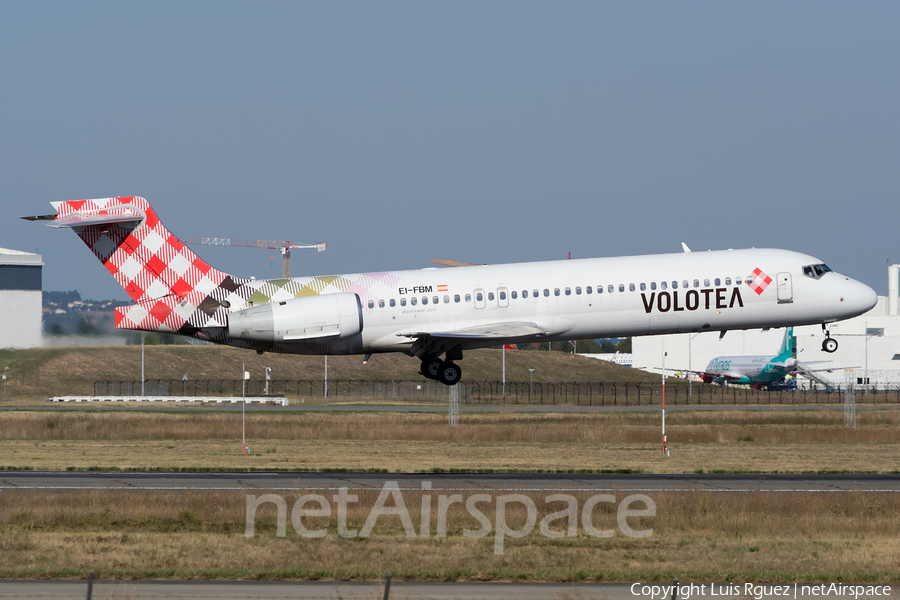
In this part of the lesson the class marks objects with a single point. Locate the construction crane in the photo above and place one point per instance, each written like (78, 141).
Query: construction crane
(284, 247)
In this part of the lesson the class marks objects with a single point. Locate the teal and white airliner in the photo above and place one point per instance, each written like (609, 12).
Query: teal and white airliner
(756, 371)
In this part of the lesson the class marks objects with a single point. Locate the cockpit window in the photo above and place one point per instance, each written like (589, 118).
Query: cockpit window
(816, 271)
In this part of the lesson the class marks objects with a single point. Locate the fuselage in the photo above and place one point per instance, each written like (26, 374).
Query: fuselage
(580, 299)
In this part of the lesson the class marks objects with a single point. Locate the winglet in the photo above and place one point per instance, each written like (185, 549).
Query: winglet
(686, 249)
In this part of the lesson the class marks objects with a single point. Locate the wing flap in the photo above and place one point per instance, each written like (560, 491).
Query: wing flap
(485, 332)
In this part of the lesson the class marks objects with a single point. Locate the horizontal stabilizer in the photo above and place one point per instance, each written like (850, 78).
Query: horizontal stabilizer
(81, 218)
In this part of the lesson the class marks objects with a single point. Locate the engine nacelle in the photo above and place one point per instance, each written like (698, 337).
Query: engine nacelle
(336, 316)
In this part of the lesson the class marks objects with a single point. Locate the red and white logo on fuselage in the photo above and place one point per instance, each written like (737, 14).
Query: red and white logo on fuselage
(760, 281)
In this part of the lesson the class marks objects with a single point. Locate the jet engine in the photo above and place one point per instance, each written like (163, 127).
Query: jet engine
(336, 316)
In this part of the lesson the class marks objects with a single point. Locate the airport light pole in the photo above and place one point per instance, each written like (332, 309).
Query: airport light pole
(245, 375)
(504, 371)
(531, 374)
(664, 451)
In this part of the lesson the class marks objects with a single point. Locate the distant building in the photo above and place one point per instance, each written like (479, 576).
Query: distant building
(20, 299)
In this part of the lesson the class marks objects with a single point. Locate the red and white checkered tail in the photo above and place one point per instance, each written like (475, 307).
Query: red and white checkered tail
(168, 282)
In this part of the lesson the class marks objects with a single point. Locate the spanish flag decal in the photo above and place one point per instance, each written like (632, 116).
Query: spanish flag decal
(442, 288)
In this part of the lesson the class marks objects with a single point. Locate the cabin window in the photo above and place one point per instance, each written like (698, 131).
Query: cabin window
(610, 288)
(674, 285)
(643, 287)
(662, 285)
(424, 299)
(706, 283)
(546, 293)
(568, 291)
(556, 291)
(718, 281)
(577, 291)
(684, 284)
(696, 283)
(446, 299)
(502, 295)
(728, 281)
(524, 293)
(588, 290)
(490, 295)
(402, 301)
(371, 304)
(514, 294)
(436, 300)
(652, 285)
(456, 297)
(468, 297)
(738, 281)
(479, 297)
(393, 303)
(621, 287)
(630, 287)
(381, 304)
(413, 301)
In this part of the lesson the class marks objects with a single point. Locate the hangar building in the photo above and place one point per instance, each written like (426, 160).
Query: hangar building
(20, 299)
(870, 342)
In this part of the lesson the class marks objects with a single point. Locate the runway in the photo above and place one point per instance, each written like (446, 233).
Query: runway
(57, 481)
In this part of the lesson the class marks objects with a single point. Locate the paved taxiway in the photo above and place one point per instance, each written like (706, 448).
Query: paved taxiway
(347, 590)
(59, 481)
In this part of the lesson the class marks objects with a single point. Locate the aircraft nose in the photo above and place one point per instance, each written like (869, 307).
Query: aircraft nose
(859, 298)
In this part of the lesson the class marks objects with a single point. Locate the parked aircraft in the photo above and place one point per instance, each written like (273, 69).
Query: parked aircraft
(756, 371)
(437, 314)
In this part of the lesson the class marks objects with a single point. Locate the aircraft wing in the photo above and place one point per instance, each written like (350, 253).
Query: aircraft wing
(802, 371)
(485, 332)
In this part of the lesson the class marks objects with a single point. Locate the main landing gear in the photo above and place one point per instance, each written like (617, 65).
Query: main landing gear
(829, 344)
(444, 371)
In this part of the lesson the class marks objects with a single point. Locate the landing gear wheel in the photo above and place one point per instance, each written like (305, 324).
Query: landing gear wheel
(829, 345)
(431, 368)
(449, 374)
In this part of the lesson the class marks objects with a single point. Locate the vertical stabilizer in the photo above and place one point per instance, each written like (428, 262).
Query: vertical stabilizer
(174, 290)
(787, 345)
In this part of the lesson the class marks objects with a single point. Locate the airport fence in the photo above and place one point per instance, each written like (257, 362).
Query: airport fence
(494, 392)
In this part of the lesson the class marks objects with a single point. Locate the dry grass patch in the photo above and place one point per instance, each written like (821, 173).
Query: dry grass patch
(766, 427)
(850, 537)
(426, 456)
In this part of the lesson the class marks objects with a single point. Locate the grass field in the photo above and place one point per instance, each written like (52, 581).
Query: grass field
(725, 441)
(847, 537)
(38, 374)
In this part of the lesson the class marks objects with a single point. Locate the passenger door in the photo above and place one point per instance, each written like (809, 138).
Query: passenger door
(785, 288)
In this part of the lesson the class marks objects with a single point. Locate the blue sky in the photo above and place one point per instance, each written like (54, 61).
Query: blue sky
(485, 132)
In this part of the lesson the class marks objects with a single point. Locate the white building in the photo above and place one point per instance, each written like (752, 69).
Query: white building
(870, 342)
(20, 299)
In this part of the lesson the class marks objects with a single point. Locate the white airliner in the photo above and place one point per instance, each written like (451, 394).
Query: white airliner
(756, 371)
(435, 313)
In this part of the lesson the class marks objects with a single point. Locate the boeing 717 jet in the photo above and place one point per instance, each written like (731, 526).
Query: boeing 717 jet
(437, 314)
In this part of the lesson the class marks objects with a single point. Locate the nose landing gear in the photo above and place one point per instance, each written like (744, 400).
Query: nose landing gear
(829, 344)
